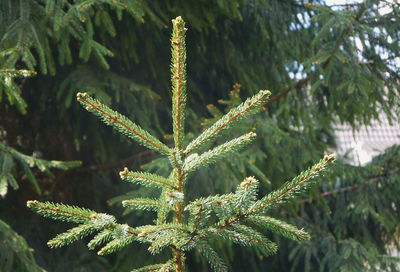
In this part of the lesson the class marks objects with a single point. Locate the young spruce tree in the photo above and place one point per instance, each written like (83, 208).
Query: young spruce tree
(184, 225)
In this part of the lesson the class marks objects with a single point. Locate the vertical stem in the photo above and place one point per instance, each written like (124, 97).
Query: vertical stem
(178, 69)
(179, 263)
(179, 207)
(179, 258)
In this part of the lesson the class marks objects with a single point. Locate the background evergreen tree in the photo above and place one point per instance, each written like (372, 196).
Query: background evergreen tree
(308, 55)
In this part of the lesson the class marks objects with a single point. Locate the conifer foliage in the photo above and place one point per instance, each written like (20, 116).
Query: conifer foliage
(183, 225)
(9, 157)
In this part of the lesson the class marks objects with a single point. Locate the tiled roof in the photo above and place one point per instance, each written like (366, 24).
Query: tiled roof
(367, 141)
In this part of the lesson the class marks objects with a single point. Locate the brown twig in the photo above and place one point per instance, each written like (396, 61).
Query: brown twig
(350, 188)
(283, 93)
(112, 165)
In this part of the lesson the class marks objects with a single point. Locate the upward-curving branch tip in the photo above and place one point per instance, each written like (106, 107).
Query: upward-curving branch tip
(123, 173)
(330, 158)
(80, 96)
(265, 92)
(248, 182)
(31, 203)
(178, 20)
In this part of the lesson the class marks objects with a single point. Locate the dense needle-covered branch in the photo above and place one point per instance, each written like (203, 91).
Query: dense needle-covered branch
(145, 179)
(244, 110)
(216, 262)
(72, 235)
(119, 235)
(244, 236)
(242, 207)
(195, 161)
(102, 237)
(61, 212)
(122, 123)
(278, 226)
(289, 190)
(292, 188)
(148, 204)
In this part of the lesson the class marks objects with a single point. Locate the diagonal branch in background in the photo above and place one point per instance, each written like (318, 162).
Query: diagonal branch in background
(352, 187)
(299, 84)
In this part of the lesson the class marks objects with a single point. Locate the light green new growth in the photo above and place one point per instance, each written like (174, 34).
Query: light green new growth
(178, 70)
(184, 225)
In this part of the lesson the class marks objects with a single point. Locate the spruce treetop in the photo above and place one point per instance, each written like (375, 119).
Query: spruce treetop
(183, 225)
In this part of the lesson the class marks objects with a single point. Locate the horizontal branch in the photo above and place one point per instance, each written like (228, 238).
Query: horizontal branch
(146, 179)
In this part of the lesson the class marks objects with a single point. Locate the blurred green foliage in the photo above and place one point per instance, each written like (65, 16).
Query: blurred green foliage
(16, 255)
(324, 65)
